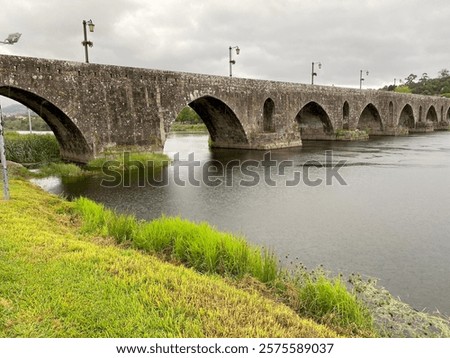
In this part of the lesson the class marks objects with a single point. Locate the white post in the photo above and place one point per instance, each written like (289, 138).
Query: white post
(29, 122)
(3, 158)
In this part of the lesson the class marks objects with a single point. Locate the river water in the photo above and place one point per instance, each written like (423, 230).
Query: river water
(384, 213)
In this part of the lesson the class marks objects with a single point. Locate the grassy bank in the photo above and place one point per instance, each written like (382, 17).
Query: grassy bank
(59, 282)
(53, 251)
(188, 128)
(208, 251)
(129, 161)
(42, 152)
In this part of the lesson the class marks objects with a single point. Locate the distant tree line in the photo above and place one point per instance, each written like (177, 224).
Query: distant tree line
(424, 85)
(188, 116)
(20, 123)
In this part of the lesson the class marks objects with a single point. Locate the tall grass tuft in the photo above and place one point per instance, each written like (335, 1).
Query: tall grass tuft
(328, 301)
(60, 169)
(197, 245)
(205, 249)
(31, 148)
(121, 227)
(94, 215)
(129, 161)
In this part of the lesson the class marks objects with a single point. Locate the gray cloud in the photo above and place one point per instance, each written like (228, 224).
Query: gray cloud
(278, 38)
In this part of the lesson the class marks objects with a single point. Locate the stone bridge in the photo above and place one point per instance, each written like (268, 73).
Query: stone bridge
(92, 108)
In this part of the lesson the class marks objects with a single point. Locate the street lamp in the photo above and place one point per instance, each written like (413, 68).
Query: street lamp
(361, 78)
(313, 73)
(232, 62)
(87, 43)
(11, 39)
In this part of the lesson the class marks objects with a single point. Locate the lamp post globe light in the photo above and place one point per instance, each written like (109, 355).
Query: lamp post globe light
(314, 73)
(87, 43)
(12, 39)
(361, 78)
(232, 62)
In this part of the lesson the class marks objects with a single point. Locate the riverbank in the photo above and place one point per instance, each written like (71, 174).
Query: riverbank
(58, 282)
(31, 210)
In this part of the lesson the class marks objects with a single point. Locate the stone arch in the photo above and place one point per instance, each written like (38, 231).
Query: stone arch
(314, 122)
(345, 115)
(406, 118)
(223, 125)
(72, 143)
(391, 112)
(431, 115)
(268, 111)
(370, 120)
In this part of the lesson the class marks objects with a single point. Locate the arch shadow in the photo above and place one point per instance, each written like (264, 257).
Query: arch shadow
(72, 143)
(370, 120)
(314, 122)
(431, 115)
(345, 115)
(268, 111)
(224, 127)
(406, 118)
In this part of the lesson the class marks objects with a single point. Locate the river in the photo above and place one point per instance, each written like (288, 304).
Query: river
(384, 213)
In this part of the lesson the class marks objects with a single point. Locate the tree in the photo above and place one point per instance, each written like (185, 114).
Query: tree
(424, 77)
(403, 89)
(410, 79)
(188, 115)
(444, 73)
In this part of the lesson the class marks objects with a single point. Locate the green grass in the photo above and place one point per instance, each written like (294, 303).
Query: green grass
(129, 161)
(345, 134)
(207, 250)
(188, 128)
(59, 282)
(328, 301)
(60, 169)
(195, 245)
(31, 148)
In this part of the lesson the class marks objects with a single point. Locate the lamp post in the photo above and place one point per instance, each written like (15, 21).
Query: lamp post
(313, 73)
(232, 62)
(3, 159)
(87, 43)
(11, 39)
(361, 78)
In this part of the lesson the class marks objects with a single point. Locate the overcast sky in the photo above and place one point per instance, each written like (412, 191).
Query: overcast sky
(278, 38)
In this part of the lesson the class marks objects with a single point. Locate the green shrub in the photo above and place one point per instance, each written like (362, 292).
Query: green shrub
(188, 115)
(31, 148)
